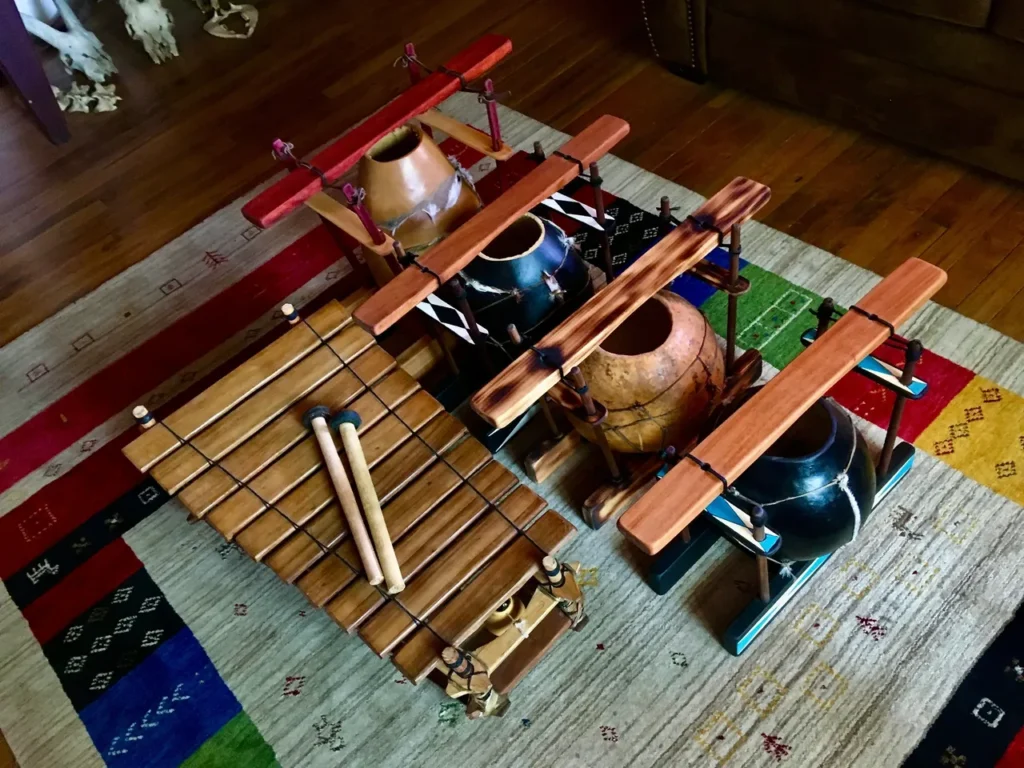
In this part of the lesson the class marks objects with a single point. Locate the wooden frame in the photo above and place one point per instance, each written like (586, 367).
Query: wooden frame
(527, 378)
(248, 467)
(658, 517)
(449, 256)
(280, 199)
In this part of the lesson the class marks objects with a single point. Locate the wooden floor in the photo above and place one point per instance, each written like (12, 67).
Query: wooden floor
(194, 134)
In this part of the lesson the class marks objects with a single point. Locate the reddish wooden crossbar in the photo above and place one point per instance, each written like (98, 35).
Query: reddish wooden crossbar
(293, 190)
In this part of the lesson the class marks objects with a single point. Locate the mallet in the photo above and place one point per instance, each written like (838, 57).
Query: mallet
(316, 419)
(346, 423)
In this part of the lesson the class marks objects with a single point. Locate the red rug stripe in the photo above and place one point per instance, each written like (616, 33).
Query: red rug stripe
(1013, 757)
(81, 589)
(118, 386)
(27, 531)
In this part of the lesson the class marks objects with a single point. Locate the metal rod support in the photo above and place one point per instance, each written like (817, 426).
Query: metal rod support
(913, 355)
(462, 304)
(825, 311)
(732, 299)
(758, 518)
(492, 114)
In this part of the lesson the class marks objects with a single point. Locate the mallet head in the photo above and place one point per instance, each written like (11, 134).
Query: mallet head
(346, 417)
(316, 412)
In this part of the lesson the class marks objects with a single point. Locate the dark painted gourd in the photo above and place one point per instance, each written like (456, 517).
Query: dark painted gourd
(816, 483)
(530, 276)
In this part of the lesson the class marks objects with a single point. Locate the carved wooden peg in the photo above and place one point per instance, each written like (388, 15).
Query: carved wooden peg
(824, 312)
(465, 678)
(290, 314)
(560, 580)
(143, 417)
(665, 214)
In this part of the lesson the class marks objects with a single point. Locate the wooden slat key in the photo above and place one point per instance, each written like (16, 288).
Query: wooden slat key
(686, 490)
(465, 134)
(397, 298)
(289, 193)
(526, 380)
(345, 220)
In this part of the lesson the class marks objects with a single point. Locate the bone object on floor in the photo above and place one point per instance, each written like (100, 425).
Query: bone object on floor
(79, 48)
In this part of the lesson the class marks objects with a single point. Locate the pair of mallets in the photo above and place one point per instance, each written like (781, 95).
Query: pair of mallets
(347, 422)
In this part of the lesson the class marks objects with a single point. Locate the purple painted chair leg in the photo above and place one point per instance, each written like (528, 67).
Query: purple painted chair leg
(21, 66)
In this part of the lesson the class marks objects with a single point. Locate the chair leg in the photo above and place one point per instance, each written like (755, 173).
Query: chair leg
(21, 66)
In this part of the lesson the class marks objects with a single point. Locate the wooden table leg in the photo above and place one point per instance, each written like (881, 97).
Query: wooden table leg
(20, 64)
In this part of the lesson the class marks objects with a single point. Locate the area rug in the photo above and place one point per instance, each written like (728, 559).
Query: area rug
(128, 637)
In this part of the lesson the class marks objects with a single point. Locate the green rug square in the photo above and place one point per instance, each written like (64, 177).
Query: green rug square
(237, 743)
(770, 316)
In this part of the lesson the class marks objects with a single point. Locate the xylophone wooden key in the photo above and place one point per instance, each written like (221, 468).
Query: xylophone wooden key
(426, 542)
(441, 579)
(462, 616)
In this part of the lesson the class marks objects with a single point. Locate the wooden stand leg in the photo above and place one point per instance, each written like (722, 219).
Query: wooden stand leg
(493, 123)
(610, 500)
(543, 460)
(758, 518)
(18, 61)
(665, 215)
(824, 312)
(580, 385)
(551, 453)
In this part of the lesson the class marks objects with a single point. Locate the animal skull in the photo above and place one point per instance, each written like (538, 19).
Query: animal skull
(79, 48)
(150, 23)
(216, 26)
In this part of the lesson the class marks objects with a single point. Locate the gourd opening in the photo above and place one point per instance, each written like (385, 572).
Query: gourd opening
(808, 438)
(519, 238)
(395, 145)
(642, 332)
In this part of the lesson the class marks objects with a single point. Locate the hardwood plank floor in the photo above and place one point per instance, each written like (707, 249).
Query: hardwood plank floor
(193, 134)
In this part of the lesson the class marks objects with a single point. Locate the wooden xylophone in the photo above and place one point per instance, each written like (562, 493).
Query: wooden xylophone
(474, 546)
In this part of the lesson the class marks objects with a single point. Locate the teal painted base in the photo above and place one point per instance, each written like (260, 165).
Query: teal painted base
(678, 558)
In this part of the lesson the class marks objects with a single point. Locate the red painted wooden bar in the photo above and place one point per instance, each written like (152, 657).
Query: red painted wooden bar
(280, 199)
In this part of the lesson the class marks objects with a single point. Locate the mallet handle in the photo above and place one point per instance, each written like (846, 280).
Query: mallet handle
(371, 506)
(348, 500)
